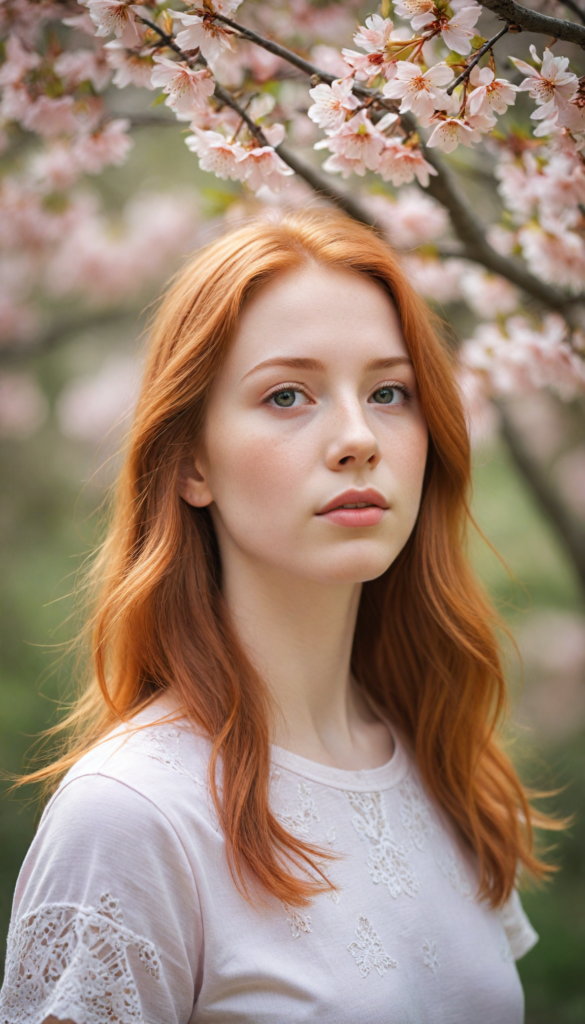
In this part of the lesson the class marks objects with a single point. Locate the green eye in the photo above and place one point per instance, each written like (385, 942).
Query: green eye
(384, 395)
(284, 398)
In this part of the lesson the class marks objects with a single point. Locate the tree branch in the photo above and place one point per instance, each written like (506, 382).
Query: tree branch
(569, 531)
(16, 351)
(484, 49)
(574, 7)
(532, 21)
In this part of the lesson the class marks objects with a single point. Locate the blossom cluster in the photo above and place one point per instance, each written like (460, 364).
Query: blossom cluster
(413, 83)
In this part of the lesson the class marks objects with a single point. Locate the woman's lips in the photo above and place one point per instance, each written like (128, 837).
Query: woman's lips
(366, 508)
(369, 516)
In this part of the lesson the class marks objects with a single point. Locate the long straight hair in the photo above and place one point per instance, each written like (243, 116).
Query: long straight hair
(425, 647)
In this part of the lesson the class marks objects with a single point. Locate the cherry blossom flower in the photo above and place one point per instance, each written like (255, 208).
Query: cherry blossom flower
(186, 88)
(216, 154)
(18, 62)
(49, 117)
(450, 131)
(374, 37)
(332, 103)
(77, 66)
(113, 16)
(401, 163)
(130, 67)
(551, 86)
(409, 220)
(489, 295)
(356, 146)
(518, 358)
(109, 145)
(480, 414)
(458, 32)
(54, 168)
(202, 33)
(23, 407)
(554, 253)
(262, 166)
(420, 13)
(91, 407)
(435, 279)
(418, 92)
(330, 60)
(489, 94)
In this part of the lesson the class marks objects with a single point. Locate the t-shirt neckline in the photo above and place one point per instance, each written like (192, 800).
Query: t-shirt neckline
(364, 780)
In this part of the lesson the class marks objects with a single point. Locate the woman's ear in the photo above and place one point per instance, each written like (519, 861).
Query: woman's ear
(193, 486)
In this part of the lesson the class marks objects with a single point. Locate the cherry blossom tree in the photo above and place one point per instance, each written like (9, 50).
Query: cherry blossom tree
(455, 128)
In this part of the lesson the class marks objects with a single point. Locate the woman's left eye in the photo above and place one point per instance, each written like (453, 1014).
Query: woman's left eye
(287, 398)
(390, 394)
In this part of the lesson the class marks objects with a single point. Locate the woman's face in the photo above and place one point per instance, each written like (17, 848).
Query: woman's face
(315, 408)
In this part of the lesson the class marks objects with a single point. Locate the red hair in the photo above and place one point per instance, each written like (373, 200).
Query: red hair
(425, 647)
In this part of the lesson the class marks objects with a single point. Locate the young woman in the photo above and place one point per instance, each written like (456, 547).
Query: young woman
(284, 798)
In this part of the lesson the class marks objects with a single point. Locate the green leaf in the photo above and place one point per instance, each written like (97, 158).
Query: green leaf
(477, 42)
(159, 100)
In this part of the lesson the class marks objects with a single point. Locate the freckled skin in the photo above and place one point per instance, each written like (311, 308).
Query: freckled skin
(267, 470)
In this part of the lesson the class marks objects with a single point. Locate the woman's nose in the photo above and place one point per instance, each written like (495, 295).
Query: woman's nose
(352, 441)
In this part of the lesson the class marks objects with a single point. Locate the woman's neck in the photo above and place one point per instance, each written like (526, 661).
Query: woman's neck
(299, 635)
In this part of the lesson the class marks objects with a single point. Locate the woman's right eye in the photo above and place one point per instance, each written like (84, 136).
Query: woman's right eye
(287, 398)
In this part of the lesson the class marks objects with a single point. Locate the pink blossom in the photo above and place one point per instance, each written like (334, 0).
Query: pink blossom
(216, 154)
(328, 59)
(109, 145)
(202, 33)
(332, 103)
(77, 66)
(131, 67)
(50, 117)
(186, 88)
(55, 168)
(410, 220)
(18, 62)
(401, 163)
(23, 407)
(551, 87)
(450, 132)
(489, 94)
(263, 166)
(114, 16)
(374, 35)
(375, 39)
(357, 145)
(417, 91)
(554, 253)
(458, 32)
(91, 407)
(519, 358)
(420, 13)
(480, 414)
(437, 280)
(489, 295)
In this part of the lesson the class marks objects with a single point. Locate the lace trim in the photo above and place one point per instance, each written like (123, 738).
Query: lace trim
(301, 821)
(368, 951)
(388, 861)
(430, 955)
(298, 921)
(163, 744)
(71, 962)
(451, 868)
(415, 813)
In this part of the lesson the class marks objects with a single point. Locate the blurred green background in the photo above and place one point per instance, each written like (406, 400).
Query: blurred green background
(52, 486)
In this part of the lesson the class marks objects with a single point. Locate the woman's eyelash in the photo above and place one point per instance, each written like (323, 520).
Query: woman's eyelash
(397, 385)
(285, 387)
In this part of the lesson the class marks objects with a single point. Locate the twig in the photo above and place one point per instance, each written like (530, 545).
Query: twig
(574, 7)
(570, 532)
(484, 49)
(532, 21)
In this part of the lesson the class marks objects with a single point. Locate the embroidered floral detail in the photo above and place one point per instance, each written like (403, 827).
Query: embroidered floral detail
(331, 836)
(430, 955)
(71, 962)
(298, 922)
(388, 861)
(300, 821)
(451, 868)
(368, 951)
(415, 813)
(163, 744)
(334, 897)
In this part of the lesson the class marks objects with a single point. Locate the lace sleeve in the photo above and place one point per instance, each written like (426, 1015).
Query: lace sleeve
(104, 927)
(519, 931)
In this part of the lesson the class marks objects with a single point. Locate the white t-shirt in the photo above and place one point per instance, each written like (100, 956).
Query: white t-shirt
(126, 911)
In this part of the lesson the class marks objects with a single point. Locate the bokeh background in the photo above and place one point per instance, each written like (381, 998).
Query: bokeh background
(62, 416)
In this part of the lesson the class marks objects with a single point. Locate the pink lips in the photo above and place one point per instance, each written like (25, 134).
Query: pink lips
(370, 515)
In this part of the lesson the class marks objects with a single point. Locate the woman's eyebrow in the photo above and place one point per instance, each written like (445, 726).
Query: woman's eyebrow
(295, 363)
(387, 364)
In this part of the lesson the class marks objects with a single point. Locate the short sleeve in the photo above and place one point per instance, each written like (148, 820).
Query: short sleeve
(105, 926)
(519, 931)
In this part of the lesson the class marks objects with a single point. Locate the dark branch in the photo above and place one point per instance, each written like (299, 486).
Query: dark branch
(569, 531)
(61, 331)
(487, 46)
(532, 21)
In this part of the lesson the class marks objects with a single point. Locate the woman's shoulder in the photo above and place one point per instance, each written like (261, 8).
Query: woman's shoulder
(156, 759)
